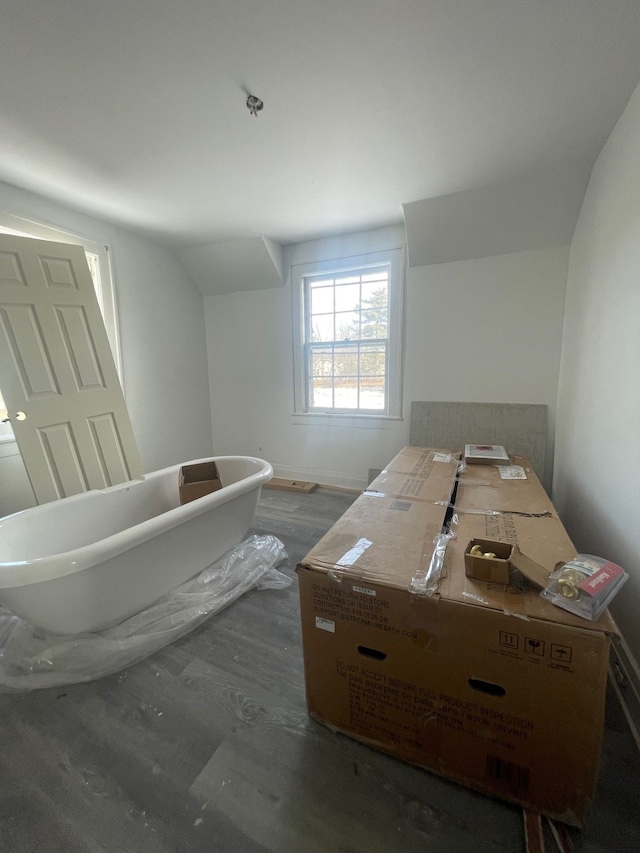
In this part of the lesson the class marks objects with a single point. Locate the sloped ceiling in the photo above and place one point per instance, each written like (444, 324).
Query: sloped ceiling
(134, 110)
(249, 263)
(535, 212)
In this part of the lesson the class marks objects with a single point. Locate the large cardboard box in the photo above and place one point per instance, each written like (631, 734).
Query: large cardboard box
(488, 685)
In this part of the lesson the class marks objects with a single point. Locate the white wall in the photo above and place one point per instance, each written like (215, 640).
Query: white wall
(596, 483)
(15, 489)
(486, 330)
(162, 335)
(251, 374)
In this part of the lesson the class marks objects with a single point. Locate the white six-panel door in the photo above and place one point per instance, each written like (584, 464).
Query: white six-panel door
(57, 374)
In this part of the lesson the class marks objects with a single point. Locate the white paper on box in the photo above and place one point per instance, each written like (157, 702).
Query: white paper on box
(512, 472)
(352, 554)
(364, 590)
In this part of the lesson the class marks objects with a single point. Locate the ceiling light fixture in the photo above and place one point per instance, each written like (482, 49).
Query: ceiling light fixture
(254, 104)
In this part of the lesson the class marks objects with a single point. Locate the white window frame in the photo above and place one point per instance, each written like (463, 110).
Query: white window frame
(101, 261)
(394, 258)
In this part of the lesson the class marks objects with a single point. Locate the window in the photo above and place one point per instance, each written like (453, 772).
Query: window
(348, 335)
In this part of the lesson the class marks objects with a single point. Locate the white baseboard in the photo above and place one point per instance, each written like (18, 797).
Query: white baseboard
(625, 677)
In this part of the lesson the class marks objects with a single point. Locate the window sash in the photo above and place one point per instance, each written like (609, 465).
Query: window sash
(365, 269)
(364, 383)
(345, 302)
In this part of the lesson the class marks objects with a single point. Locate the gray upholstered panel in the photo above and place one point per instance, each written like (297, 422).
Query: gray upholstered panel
(520, 428)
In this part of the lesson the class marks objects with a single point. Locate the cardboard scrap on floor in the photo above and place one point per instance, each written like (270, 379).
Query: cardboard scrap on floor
(290, 485)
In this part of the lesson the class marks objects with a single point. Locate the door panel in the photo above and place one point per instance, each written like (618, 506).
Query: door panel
(56, 366)
(24, 335)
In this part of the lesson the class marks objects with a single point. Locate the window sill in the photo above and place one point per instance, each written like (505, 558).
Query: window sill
(344, 421)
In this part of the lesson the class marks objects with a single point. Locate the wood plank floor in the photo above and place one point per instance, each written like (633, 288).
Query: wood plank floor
(207, 746)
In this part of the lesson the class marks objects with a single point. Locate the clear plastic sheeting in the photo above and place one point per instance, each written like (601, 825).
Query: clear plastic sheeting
(31, 659)
(585, 586)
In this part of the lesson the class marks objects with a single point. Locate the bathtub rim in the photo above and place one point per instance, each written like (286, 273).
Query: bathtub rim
(20, 573)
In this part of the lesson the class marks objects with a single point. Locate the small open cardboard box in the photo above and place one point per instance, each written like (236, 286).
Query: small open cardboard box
(198, 480)
(497, 569)
(492, 569)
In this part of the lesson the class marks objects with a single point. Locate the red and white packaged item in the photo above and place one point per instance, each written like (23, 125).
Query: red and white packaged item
(585, 585)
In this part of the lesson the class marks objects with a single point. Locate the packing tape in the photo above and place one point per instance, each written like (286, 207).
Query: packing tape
(349, 558)
(425, 579)
(469, 511)
(514, 603)
(397, 496)
(520, 513)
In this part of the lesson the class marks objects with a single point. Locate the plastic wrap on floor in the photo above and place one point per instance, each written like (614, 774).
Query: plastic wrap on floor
(31, 659)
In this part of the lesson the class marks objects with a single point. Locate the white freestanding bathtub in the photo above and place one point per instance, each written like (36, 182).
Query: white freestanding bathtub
(87, 562)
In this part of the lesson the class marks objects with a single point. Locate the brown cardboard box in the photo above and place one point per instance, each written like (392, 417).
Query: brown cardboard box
(495, 569)
(198, 480)
(488, 685)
